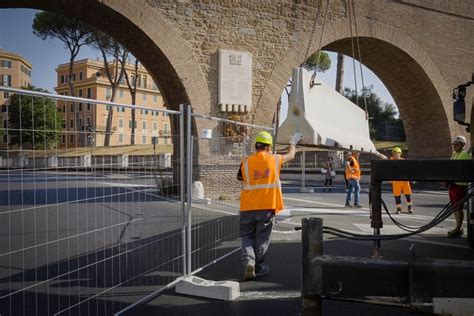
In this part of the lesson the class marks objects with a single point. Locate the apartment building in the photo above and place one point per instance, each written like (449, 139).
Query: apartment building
(15, 72)
(90, 81)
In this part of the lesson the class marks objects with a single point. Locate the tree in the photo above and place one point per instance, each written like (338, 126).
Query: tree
(114, 70)
(340, 73)
(72, 32)
(318, 61)
(132, 88)
(382, 115)
(34, 120)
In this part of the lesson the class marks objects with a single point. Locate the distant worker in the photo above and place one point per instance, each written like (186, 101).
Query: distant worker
(260, 199)
(330, 174)
(353, 178)
(457, 190)
(399, 187)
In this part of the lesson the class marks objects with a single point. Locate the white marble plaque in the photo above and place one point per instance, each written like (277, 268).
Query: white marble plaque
(235, 81)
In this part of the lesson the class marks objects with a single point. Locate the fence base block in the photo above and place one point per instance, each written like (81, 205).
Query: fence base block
(220, 290)
(306, 190)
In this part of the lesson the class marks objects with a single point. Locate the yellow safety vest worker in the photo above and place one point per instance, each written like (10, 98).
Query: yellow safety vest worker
(261, 183)
(462, 155)
(355, 174)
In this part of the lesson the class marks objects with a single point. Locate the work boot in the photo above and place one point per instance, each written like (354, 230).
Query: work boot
(410, 209)
(455, 233)
(347, 204)
(249, 273)
(357, 205)
(262, 270)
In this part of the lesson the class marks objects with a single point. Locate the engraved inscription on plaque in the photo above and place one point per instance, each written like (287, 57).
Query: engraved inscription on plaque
(235, 81)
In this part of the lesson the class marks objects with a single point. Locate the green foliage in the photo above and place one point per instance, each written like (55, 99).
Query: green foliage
(384, 125)
(34, 120)
(72, 32)
(322, 64)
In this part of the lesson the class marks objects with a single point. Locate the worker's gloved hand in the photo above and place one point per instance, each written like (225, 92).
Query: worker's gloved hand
(296, 138)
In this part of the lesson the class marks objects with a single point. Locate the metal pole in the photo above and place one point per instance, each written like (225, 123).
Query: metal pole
(182, 185)
(189, 182)
(303, 168)
(470, 205)
(312, 243)
(375, 208)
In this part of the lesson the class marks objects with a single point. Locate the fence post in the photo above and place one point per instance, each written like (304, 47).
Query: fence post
(189, 182)
(182, 184)
(312, 244)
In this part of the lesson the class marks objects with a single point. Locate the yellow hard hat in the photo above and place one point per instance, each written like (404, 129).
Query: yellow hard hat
(397, 150)
(264, 138)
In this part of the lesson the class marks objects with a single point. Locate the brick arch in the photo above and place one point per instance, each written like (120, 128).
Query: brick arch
(412, 78)
(149, 36)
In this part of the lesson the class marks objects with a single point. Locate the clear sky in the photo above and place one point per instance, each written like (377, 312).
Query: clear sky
(16, 35)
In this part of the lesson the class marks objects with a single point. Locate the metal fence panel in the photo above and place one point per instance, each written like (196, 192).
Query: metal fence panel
(86, 230)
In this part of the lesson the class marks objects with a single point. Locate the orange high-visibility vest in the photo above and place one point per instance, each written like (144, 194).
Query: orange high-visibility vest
(261, 183)
(353, 174)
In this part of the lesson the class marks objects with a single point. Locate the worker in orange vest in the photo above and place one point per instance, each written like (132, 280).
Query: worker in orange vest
(352, 173)
(260, 199)
(399, 187)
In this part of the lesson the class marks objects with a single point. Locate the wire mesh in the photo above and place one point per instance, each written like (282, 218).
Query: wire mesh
(87, 228)
(215, 189)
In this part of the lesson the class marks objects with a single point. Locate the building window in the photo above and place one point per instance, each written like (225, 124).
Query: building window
(80, 75)
(5, 123)
(62, 78)
(80, 106)
(7, 80)
(71, 123)
(166, 141)
(5, 138)
(89, 93)
(72, 107)
(144, 125)
(130, 124)
(80, 93)
(71, 138)
(143, 139)
(121, 123)
(155, 98)
(155, 126)
(25, 70)
(144, 97)
(6, 63)
(64, 108)
(88, 106)
(63, 139)
(121, 138)
(4, 108)
(6, 95)
(80, 124)
(73, 77)
(121, 93)
(144, 82)
(88, 122)
(108, 93)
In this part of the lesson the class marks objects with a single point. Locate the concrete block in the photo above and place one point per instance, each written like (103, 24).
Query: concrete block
(85, 161)
(52, 161)
(122, 161)
(220, 290)
(197, 190)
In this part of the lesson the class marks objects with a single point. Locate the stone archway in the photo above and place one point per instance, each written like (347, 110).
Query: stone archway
(150, 37)
(405, 68)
